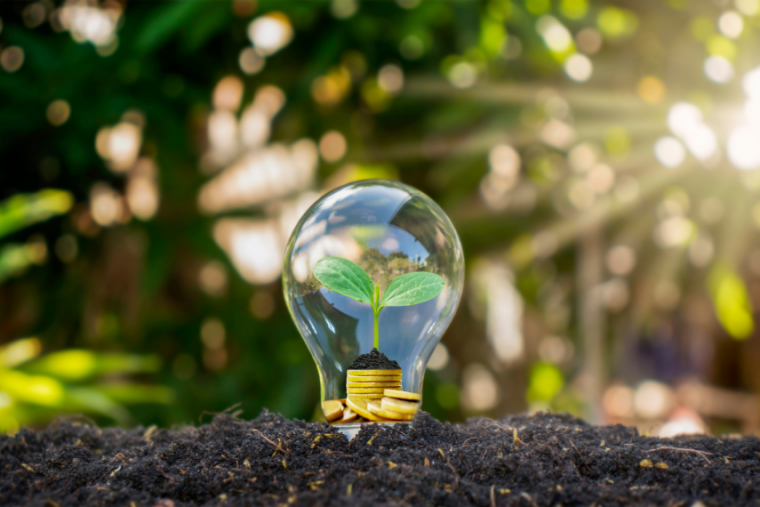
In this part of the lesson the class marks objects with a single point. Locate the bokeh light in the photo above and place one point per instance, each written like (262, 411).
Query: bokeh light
(119, 145)
(669, 151)
(621, 259)
(462, 75)
(589, 40)
(58, 112)
(142, 192)
(479, 389)
(391, 79)
(332, 146)
(228, 93)
(718, 69)
(440, 358)
(213, 278)
(578, 67)
(12, 58)
(748, 7)
(250, 61)
(651, 89)
(743, 148)
(555, 35)
(653, 400)
(731, 24)
(90, 22)
(106, 206)
(270, 33)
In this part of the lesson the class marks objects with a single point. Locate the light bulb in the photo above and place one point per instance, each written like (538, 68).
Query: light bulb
(374, 263)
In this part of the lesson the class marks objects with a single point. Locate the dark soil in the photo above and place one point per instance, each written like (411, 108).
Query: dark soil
(374, 360)
(518, 461)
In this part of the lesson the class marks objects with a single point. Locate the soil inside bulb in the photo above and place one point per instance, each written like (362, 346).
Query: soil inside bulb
(374, 360)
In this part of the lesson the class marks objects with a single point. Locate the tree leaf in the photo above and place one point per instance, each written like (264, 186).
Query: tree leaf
(413, 288)
(344, 277)
(22, 210)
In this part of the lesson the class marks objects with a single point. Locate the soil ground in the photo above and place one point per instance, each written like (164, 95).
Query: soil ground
(517, 461)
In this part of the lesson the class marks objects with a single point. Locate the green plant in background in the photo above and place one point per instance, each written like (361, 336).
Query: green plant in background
(23, 210)
(348, 279)
(36, 388)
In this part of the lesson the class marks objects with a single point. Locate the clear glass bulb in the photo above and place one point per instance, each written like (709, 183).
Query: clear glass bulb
(388, 229)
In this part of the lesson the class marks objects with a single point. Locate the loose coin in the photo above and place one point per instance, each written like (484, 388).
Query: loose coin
(375, 378)
(377, 409)
(405, 407)
(360, 407)
(348, 416)
(373, 373)
(402, 395)
(333, 409)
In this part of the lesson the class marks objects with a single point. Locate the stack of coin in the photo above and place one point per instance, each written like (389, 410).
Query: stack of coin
(369, 385)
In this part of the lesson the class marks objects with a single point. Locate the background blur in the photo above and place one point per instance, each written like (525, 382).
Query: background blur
(598, 158)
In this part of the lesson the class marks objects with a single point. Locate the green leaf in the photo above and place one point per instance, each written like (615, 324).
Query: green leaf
(22, 210)
(344, 277)
(80, 364)
(14, 259)
(413, 288)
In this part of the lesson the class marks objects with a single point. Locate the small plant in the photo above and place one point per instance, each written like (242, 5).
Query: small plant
(346, 278)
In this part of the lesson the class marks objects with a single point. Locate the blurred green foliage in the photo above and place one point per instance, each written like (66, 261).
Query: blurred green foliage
(21, 211)
(37, 388)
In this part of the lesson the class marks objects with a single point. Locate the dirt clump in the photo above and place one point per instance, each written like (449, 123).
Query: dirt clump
(517, 461)
(374, 360)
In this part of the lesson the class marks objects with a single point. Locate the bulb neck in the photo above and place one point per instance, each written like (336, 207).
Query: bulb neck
(351, 430)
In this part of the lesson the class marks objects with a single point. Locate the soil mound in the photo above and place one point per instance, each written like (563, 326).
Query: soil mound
(518, 461)
(374, 360)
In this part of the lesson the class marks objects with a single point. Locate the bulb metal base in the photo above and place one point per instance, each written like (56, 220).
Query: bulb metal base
(351, 430)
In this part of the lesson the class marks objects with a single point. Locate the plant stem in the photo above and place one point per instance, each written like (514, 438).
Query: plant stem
(376, 311)
(377, 334)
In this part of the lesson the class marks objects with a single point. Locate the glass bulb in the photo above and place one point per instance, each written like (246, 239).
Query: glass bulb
(389, 230)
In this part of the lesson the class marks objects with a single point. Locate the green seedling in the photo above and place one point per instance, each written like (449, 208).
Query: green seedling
(346, 278)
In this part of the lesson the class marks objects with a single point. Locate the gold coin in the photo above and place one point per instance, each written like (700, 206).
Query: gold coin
(365, 390)
(371, 396)
(360, 407)
(387, 385)
(348, 416)
(333, 409)
(377, 409)
(403, 406)
(378, 390)
(402, 395)
(373, 373)
(395, 378)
